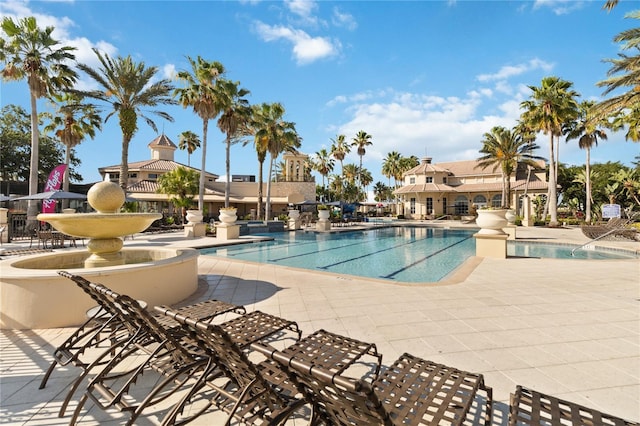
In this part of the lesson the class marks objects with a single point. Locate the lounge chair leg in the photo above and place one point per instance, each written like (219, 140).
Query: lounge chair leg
(45, 379)
(76, 412)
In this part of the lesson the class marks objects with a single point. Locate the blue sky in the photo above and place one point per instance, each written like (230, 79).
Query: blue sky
(422, 77)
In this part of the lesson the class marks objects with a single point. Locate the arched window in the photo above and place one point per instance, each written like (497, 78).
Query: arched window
(480, 201)
(496, 200)
(461, 205)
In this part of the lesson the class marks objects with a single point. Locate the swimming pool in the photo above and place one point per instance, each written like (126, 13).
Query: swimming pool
(403, 254)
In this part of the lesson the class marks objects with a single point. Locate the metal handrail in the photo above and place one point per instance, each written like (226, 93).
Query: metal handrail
(595, 239)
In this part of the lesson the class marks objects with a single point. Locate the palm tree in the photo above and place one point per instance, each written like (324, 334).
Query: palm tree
(340, 148)
(630, 183)
(73, 122)
(505, 149)
(30, 53)
(380, 191)
(361, 141)
(200, 93)
(551, 106)
(391, 165)
(587, 128)
(189, 141)
(624, 74)
(181, 184)
(366, 180)
(129, 88)
(279, 136)
(323, 164)
(236, 115)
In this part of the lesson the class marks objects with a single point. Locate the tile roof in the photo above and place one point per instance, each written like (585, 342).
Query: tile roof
(163, 141)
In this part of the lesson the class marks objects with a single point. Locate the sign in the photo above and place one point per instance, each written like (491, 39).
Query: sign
(610, 210)
(53, 184)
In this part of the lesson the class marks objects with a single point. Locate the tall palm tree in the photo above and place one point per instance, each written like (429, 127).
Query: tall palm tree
(73, 122)
(587, 128)
(279, 136)
(200, 93)
(624, 74)
(129, 88)
(391, 165)
(339, 149)
(30, 53)
(551, 106)
(234, 119)
(366, 179)
(323, 164)
(361, 141)
(505, 149)
(189, 141)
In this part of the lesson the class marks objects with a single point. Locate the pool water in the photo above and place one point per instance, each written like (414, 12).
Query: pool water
(403, 254)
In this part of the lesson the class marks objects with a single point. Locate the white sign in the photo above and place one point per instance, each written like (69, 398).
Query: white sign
(610, 210)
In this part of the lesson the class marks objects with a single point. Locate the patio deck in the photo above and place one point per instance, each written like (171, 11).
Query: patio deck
(570, 328)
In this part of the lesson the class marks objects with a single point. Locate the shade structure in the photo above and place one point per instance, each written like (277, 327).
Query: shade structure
(54, 195)
(4, 198)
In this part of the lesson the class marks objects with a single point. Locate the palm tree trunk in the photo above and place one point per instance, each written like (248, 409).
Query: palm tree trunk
(205, 125)
(267, 210)
(552, 199)
(65, 179)
(124, 164)
(32, 206)
(260, 183)
(227, 184)
(587, 217)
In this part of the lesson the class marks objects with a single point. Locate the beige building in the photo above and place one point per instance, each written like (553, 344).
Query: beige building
(143, 183)
(432, 190)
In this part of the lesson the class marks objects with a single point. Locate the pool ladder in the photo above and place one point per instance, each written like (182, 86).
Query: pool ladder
(594, 239)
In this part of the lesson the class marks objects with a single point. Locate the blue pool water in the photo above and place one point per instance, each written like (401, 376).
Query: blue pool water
(404, 254)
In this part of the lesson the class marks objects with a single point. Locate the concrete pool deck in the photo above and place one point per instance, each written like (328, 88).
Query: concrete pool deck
(570, 328)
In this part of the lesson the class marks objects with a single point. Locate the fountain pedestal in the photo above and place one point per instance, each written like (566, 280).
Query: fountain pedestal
(33, 295)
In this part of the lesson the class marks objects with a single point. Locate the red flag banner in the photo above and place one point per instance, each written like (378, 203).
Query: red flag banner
(53, 184)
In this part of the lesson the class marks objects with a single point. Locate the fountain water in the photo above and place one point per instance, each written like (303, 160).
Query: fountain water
(33, 295)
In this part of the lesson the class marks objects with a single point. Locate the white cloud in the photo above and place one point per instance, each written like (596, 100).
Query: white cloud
(559, 7)
(509, 71)
(343, 20)
(303, 9)
(445, 128)
(169, 71)
(306, 49)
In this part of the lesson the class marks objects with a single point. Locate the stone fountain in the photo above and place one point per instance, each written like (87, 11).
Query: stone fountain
(33, 295)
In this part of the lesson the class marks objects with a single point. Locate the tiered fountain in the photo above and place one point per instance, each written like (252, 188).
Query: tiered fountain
(33, 295)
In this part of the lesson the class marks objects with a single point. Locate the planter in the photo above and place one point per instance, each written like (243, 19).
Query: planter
(294, 214)
(491, 222)
(511, 216)
(323, 214)
(194, 216)
(228, 215)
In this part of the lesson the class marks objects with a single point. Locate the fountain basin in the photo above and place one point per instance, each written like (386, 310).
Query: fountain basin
(33, 295)
(99, 225)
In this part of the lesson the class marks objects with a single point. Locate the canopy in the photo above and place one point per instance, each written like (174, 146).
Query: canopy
(54, 195)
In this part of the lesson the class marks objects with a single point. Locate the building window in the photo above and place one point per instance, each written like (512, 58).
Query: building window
(461, 205)
(412, 206)
(429, 179)
(444, 179)
(444, 205)
(496, 200)
(480, 201)
(153, 176)
(412, 180)
(133, 175)
(429, 205)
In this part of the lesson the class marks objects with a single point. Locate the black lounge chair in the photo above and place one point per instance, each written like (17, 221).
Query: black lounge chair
(412, 391)
(262, 392)
(105, 328)
(529, 407)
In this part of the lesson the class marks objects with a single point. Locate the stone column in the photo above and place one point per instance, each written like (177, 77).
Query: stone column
(4, 224)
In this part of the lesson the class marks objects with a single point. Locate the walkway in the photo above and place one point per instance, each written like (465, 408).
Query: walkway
(570, 328)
